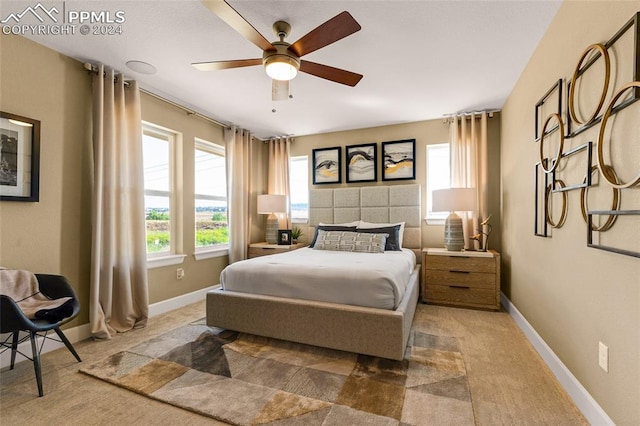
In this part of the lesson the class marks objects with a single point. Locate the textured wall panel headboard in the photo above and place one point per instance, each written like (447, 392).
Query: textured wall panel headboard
(379, 204)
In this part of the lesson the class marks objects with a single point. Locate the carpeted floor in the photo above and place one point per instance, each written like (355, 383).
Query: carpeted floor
(508, 382)
(245, 379)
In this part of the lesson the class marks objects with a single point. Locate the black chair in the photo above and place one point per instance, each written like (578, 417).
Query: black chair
(13, 321)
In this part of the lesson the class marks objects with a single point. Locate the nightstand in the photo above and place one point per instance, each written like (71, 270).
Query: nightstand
(461, 278)
(263, 249)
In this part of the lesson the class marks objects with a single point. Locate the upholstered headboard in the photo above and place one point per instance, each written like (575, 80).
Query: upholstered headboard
(379, 204)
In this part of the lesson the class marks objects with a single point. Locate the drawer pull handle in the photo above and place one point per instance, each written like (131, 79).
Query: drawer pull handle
(462, 287)
(458, 272)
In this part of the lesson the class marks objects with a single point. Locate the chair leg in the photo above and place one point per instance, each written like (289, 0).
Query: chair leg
(67, 343)
(36, 362)
(14, 348)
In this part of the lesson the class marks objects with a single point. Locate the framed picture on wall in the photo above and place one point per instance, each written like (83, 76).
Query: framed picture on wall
(19, 158)
(362, 163)
(327, 165)
(398, 160)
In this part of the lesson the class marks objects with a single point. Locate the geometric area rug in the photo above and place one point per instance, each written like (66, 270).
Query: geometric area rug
(244, 379)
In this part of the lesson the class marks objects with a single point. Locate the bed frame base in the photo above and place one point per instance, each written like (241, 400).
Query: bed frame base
(377, 332)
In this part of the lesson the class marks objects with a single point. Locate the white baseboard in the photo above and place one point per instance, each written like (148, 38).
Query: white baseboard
(588, 406)
(160, 308)
(82, 332)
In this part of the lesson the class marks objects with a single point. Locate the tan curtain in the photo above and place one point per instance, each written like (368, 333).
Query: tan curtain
(238, 157)
(119, 293)
(279, 156)
(468, 139)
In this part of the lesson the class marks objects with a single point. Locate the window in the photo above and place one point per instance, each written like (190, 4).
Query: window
(299, 186)
(212, 229)
(158, 145)
(438, 177)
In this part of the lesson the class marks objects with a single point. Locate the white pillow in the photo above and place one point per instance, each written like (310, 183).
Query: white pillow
(364, 225)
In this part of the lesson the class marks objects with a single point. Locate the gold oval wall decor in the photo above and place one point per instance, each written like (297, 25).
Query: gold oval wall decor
(556, 161)
(563, 214)
(576, 73)
(610, 176)
(615, 202)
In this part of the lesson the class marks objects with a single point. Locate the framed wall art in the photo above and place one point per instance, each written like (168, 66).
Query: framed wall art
(398, 160)
(362, 163)
(327, 165)
(19, 158)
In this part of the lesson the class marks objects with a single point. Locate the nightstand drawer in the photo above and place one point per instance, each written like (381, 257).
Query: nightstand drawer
(461, 279)
(264, 249)
(257, 252)
(462, 263)
(454, 295)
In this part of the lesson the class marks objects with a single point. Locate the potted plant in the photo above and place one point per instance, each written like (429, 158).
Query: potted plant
(296, 233)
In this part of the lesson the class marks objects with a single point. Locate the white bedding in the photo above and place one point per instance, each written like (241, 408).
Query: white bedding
(375, 280)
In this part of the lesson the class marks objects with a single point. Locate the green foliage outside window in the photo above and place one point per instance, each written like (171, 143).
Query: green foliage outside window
(209, 237)
(156, 215)
(157, 241)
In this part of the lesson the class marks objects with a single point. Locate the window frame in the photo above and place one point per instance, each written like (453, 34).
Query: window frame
(174, 255)
(214, 250)
(303, 220)
(435, 218)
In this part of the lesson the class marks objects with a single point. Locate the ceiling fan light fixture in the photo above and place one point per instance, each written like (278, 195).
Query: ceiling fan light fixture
(281, 67)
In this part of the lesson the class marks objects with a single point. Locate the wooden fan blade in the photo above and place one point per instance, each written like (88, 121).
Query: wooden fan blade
(330, 73)
(229, 15)
(223, 65)
(331, 31)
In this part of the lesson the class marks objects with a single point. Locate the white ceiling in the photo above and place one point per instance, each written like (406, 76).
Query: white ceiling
(420, 59)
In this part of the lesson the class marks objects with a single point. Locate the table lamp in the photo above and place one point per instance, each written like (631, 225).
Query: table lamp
(454, 200)
(271, 204)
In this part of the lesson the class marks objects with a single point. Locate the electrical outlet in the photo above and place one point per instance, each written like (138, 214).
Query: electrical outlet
(179, 273)
(603, 356)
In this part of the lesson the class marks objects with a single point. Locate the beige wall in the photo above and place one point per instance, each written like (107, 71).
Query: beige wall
(425, 133)
(573, 295)
(53, 235)
(198, 274)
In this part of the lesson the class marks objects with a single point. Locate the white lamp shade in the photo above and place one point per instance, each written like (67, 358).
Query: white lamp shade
(454, 200)
(272, 203)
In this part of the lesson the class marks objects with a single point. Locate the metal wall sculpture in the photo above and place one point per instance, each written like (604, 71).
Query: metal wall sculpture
(561, 119)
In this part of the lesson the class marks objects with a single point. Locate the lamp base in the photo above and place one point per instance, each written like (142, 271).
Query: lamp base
(453, 234)
(271, 234)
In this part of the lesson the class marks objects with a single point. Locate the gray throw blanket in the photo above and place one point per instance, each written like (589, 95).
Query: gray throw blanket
(22, 286)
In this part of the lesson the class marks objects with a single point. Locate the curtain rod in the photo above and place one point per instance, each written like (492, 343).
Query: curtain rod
(187, 110)
(468, 114)
(94, 69)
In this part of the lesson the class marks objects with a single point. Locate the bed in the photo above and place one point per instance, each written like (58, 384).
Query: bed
(378, 329)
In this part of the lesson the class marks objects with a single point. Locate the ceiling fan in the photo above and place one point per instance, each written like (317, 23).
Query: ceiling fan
(281, 59)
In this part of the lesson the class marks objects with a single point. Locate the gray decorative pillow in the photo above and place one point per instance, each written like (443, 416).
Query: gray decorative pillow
(322, 227)
(350, 241)
(370, 243)
(335, 240)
